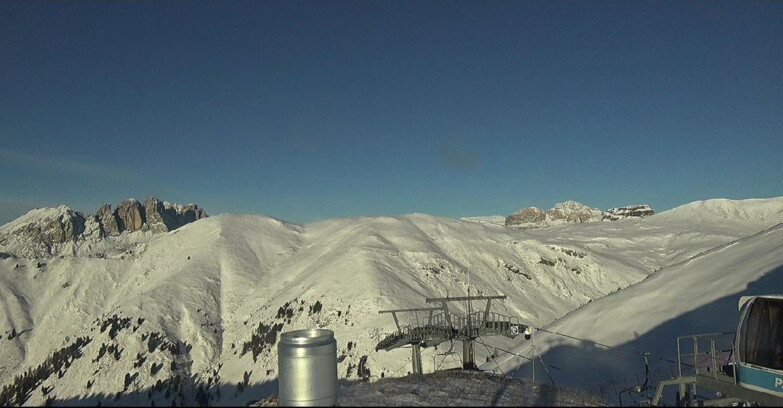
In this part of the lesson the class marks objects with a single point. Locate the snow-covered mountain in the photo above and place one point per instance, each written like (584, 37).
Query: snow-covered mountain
(48, 232)
(195, 312)
(570, 212)
(697, 295)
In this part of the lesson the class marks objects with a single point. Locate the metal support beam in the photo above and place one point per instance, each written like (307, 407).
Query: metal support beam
(467, 355)
(446, 312)
(416, 358)
(681, 381)
(464, 327)
(415, 309)
(695, 362)
(464, 298)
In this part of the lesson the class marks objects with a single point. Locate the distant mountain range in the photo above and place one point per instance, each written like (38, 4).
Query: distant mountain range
(174, 306)
(45, 232)
(561, 213)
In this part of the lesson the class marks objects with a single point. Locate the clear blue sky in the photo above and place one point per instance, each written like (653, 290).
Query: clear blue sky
(312, 110)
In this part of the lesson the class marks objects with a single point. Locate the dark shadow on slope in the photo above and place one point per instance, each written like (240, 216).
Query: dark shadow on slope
(228, 395)
(612, 373)
(547, 397)
(499, 394)
(459, 388)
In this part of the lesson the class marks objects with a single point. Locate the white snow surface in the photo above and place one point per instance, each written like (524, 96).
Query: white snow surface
(212, 282)
(486, 219)
(697, 295)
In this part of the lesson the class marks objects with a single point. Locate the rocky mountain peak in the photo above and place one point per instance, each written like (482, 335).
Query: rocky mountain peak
(526, 216)
(42, 231)
(129, 215)
(639, 210)
(162, 216)
(153, 215)
(46, 232)
(573, 211)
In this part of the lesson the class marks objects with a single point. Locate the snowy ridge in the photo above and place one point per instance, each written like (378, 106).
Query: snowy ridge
(755, 211)
(44, 231)
(49, 232)
(204, 304)
(486, 219)
(697, 295)
(36, 214)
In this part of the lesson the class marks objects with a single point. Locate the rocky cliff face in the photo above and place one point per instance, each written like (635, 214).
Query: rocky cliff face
(614, 214)
(46, 232)
(162, 216)
(526, 216)
(572, 211)
(153, 210)
(42, 232)
(569, 211)
(129, 215)
(154, 215)
(107, 220)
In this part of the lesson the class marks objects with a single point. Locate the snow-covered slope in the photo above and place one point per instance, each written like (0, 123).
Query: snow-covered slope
(44, 231)
(697, 295)
(202, 305)
(486, 219)
(757, 212)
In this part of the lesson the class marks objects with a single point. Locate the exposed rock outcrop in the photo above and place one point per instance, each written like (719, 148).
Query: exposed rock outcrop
(107, 220)
(162, 216)
(154, 211)
(93, 230)
(190, 212)
(569, 211)
(614, 214)
(46, 232)
(42, 232)
(129, 215)
(572, 211)
(526, 215)
(153, 215)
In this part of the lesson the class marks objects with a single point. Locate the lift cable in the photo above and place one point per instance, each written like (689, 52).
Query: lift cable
(446, 354)
(491, 356)
(401, 367)
(643, 353)
(546, 369)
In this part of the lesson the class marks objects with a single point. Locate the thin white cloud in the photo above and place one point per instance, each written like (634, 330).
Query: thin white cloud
(104, 179)
(80, 166)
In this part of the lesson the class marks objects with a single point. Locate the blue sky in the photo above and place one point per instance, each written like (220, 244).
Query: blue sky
(312, 110)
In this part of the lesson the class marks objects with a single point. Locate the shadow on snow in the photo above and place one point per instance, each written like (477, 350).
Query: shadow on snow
(611, 373)
(229, 395)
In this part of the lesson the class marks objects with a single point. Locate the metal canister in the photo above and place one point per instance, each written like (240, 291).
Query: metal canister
(307, 368)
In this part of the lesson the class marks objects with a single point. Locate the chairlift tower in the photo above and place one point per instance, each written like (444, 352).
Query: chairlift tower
(443, 325)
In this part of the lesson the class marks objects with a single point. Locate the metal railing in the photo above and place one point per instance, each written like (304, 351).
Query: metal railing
(707, 355)
(470, 325)
(442, 327)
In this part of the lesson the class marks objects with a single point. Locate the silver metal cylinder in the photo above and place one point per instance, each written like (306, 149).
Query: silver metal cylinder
(307, 368)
